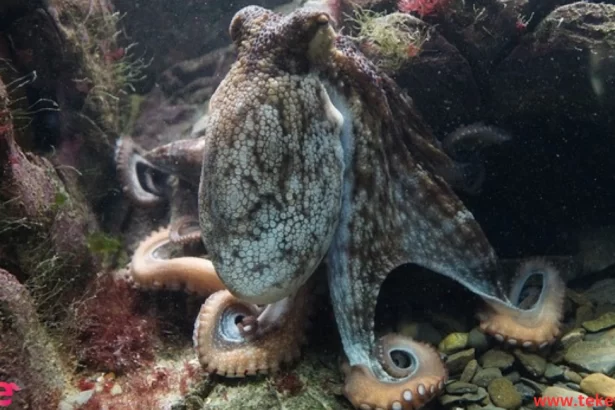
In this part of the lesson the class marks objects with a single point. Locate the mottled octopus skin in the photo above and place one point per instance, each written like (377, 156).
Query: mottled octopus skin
(231, 338)
(312, 154)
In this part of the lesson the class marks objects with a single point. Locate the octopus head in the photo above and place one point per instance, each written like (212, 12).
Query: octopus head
(272, 176)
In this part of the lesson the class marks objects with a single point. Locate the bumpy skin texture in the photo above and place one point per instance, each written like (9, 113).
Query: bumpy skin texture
(311, 153)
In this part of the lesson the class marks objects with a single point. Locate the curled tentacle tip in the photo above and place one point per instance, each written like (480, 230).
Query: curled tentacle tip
(533, 328)
(185, 230)
(153, 267)
(236, 339)
(128, 160)
(417, 366)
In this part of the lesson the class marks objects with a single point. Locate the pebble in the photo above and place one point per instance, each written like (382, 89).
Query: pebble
(526, 392)
(605, 321)
(583, 314)
(601, 292)
(572, 337)
(496, 358)
(461, 388)
(558, 392)
(554, 372)
(514, 377)
(469, 372)
(449, 399)
(572, 376)
(597, 356)
(598, 383)
(453, 343)
(534, 364)
(478, 340)
(458, 361)
(503, 394)
(485, 376)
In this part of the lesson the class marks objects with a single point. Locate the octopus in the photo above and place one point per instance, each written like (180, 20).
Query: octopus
(313, 157)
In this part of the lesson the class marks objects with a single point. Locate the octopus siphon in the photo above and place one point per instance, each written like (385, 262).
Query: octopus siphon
(312, 156)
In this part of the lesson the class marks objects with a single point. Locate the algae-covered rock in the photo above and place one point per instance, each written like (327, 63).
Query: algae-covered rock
(28, 357)
(564, 66)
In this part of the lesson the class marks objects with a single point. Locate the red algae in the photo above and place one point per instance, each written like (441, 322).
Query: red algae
(112, 334)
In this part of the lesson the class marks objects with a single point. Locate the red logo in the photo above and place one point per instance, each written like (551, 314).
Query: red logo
(7, 390)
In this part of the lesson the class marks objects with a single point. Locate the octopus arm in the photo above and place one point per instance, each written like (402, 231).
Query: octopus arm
(233, 338)
(153, 267)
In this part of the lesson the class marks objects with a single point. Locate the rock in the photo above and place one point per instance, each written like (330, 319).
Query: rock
(583, 314)
(572, 376)
(461, 388)
(478, 340)
(496, 358)
(534, 364)
(598, 383)
(487, 407)
(485, 376)
(538, 387)
(514, 377)
(605, 321)
(453, 343)
(601, 292)
(479, 396)
(551, 70)
(420, 330)
(449, 87)
(593, 356)
(469, 371)
(557, 393)
(458, 361)
(573, 336)
(503, 394)
(553, 372)
(526, 392)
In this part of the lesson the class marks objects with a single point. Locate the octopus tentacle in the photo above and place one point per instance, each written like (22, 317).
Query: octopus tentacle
(418, 366)
(150, 268)
(236, 339)
(185, 230)
(128, 158)
(534, 327)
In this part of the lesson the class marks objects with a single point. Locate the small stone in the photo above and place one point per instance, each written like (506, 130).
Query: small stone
(553, 372)
(598, 383)
(577, 298)
(487, 407)
(558, 393)
(496, 358)
(458, 361)
(594, 356)
(601, 292)
(514, 377)
(453, 343)
(449, 399)
(478, 340)
(461, 388)
(538, 387)
(526, 392)
(572, 376)
(570, 338)
(503, 394)
(469, 372)
(116, 390)
(485, 376)
(583, 314)
(534, 364)
(606, 321)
